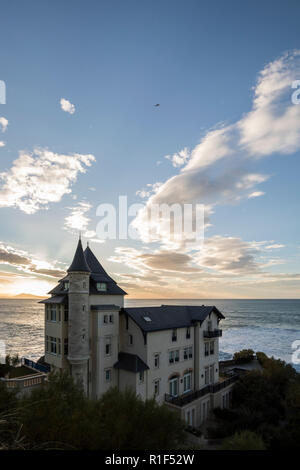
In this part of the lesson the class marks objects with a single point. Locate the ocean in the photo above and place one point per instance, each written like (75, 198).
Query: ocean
(270, 326)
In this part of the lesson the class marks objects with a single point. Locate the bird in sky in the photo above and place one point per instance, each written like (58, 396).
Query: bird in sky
(156, 105)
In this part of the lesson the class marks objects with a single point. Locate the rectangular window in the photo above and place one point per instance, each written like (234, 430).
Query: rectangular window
(188, 333)
(101, 286)
(108, 346)
(190, 352)
(105, 319)
(107, 375)
(206, 375)
(59, 346)
(111, 318)
(212, 347)
(174, 335)
(209, 325)
(187, 382)
(171, 357)
(53, 348)
(156, 388)
(47, 343)
(53, 312)
(66, 285)
(173, 385)
(130, 340)
(59, 313)
(177, 355)
(185, 354)
(206, 348)
(156, 361)
(66, 346)
(141, 377)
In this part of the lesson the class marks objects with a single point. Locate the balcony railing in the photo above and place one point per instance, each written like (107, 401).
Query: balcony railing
(212, 333)
(25, 382)
(183, 400)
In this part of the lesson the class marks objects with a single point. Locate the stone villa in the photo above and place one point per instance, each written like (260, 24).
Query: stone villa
(169, 352)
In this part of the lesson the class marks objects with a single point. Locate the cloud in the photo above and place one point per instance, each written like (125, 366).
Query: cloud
(226, 267)
(274, 246)
(228, 255)
(25, 262)
(2, 144)
(3, 123)
(219, 170)
(40, 177)
(160, 260)
(180, 158)
(67, 106)
(78, 221)
(256, 194)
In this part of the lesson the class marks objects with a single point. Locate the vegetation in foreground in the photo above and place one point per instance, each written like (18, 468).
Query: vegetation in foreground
(265, 409)
(60, 416)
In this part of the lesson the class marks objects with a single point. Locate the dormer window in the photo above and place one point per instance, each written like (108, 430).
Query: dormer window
(101, 286)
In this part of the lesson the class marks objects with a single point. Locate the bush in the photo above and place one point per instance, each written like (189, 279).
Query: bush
(60, 415)
(245, 440)
(243, 356)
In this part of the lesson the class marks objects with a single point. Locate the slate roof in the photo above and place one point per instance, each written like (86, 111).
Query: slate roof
(99, 273)
(86, 261)
(56, 299)
(167, 317)
(105, 307)
(130, 362)
(79, 262)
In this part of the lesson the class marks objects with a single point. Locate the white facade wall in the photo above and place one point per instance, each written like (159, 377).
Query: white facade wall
(160, 342)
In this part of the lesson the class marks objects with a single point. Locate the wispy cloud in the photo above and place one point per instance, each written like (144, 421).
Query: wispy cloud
(218, 170)
(23, 261)
(180, 158)
(3, 124)
(40, 177)
(2, 144)
(256, 194)
(67, 106)
(78, 221)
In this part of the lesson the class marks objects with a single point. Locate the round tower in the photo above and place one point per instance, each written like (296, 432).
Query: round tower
(78, 321)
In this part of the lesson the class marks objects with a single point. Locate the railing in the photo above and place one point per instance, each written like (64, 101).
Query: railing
(25, 382)
(212, 333)
(183, 400)
(35, 365)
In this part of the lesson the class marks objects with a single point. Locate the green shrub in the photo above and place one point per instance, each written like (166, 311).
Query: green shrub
(243, 356)
(245, 440)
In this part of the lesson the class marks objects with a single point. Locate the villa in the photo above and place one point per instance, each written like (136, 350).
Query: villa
(169, 352)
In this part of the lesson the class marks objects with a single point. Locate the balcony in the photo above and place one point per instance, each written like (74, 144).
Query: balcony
(212, 333)
(183, 400)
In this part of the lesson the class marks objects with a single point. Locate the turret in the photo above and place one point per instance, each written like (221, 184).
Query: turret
(78, 334)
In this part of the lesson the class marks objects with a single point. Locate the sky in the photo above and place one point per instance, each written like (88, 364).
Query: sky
(79, 128)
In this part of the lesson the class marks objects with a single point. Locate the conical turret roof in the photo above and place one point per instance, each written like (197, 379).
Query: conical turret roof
(79, 262)
(95, 266)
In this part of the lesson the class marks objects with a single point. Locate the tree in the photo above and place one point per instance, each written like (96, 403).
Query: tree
(245, 355)
(59, 415)
(245, 440)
